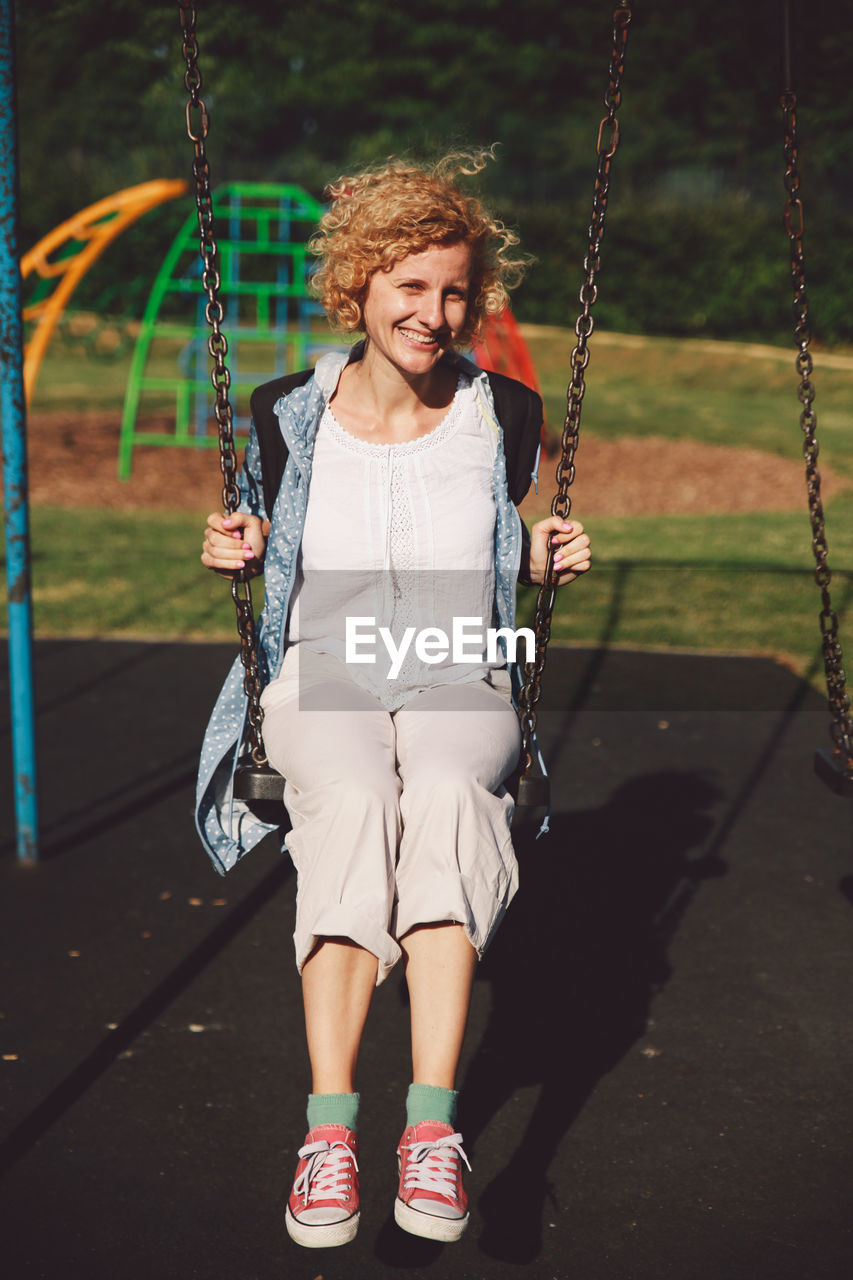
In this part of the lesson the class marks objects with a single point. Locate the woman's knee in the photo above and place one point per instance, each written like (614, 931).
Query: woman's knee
(448, 789)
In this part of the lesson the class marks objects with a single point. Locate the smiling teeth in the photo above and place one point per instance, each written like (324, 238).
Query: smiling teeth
(424, 339)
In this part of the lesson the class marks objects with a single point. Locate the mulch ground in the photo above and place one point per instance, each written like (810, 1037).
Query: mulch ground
(73, 462)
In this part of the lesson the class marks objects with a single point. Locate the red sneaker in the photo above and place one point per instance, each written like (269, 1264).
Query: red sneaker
(323, 1207)
(431, 1201)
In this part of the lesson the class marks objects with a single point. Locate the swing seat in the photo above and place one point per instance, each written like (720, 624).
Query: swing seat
(263, 785)
(532, 791)
(258, 782)
(828, 768)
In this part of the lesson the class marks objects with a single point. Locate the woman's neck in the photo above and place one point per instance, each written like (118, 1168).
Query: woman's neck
(379, 402)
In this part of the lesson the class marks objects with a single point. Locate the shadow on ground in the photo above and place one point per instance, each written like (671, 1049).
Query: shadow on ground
(572, 973)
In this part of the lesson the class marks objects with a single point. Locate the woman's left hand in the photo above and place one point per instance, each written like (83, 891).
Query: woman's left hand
(571, 549)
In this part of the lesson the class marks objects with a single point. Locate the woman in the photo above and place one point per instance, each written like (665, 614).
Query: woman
(396, 507)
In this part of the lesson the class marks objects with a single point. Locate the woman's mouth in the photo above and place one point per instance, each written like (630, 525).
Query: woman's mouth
(420, 339)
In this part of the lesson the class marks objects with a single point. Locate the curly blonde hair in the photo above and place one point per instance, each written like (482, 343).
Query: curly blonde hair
(380, 216)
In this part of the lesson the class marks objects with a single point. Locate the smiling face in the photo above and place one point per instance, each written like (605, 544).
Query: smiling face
(414, 310)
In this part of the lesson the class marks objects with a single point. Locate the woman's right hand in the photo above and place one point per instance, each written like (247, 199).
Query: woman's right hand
(235, 542)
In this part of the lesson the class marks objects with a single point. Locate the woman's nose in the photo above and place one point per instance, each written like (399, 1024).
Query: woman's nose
(431, 311)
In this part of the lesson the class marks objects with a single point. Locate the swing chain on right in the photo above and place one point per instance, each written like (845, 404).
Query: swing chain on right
(198, 124)
(836, 680)
(606, 145)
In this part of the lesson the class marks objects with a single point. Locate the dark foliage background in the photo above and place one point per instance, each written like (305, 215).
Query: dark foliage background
(694, 244)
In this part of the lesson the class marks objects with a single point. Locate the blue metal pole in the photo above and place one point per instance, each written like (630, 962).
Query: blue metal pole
(16, 507)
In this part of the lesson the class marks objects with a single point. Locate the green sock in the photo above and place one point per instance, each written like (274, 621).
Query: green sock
(430, 1102)
(333, 1108)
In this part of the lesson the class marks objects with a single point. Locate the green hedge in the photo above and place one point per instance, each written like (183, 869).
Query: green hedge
(720, 271)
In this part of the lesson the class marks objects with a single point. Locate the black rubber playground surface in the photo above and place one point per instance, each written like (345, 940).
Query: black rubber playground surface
(657, 1079)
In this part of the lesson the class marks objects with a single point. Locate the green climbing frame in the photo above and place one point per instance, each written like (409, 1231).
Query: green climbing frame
(272, 324)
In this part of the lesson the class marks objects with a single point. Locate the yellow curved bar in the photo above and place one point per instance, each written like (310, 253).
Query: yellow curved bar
(96, 227)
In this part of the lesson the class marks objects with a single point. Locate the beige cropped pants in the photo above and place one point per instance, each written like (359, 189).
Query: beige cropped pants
(399, 818)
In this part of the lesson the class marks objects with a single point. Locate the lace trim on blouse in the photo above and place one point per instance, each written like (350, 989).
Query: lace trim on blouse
(448, 426)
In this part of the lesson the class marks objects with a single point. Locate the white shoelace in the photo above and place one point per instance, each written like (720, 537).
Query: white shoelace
(328, 1165)
(433, 1166)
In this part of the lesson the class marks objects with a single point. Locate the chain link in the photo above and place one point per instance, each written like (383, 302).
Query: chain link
(220, 376)
(606, 145)
(836, 680)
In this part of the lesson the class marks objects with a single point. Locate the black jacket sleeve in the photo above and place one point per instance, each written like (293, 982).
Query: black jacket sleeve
(270, 442)
(520, 413)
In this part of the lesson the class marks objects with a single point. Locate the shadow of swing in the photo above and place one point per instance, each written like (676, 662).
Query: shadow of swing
(587, 927)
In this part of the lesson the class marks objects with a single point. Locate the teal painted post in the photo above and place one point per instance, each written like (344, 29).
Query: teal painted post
(15, 493)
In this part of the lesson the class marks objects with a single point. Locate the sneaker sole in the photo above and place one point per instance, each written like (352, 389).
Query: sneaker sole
(427, 1225)
(326, 1236)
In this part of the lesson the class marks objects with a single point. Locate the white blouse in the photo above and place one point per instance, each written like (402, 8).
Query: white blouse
(401, 536)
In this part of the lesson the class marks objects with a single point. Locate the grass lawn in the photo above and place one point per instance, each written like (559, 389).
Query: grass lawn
(683, 582)
(727, 583)
(724, 393)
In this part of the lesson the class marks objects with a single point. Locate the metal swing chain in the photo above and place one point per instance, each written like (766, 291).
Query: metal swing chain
(217, 345)
(606, 145)
(836, 681)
